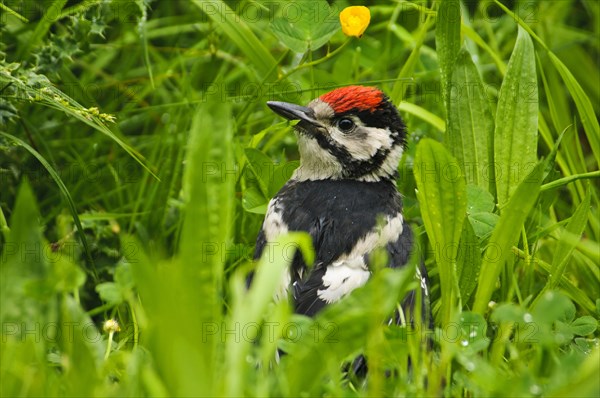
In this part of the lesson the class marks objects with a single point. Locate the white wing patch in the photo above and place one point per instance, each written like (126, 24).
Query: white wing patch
(342, 277)
(350, 271)
(379, 237)
(273, 226)
(422, 281)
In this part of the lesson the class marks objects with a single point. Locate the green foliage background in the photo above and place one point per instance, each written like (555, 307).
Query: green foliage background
(137, 158)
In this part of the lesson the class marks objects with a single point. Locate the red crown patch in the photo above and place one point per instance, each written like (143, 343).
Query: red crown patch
(353, 97)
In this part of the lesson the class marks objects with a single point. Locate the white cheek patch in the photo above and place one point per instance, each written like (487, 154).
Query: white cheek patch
(390, 164)
(365, 142)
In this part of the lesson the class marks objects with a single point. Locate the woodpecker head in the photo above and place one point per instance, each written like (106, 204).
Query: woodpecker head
(352, 132)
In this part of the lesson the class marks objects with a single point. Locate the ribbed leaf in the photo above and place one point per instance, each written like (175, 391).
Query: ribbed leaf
(209, 201)
(441, 192)
(582, 101)
(470, 122)
(209, 192)
(515, 136)
(447, 41)
(506, 234)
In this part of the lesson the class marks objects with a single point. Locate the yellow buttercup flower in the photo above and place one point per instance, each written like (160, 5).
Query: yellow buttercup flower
(355, 20)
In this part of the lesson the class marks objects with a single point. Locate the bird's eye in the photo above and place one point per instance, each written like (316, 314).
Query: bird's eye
(345, 124)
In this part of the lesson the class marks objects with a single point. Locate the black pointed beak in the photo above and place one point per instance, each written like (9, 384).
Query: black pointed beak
(294, 112)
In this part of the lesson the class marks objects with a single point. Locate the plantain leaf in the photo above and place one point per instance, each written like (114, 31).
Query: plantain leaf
(515, 135)
(447, 42)
(441, 192)
(470, 123)
(209, 203)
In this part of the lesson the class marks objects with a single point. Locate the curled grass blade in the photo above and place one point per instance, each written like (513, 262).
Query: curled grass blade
(66, 195)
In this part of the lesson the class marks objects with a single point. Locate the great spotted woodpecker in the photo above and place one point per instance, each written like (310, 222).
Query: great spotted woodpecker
(350, 142)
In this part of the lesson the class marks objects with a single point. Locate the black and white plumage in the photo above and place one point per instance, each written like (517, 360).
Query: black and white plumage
(343, 194)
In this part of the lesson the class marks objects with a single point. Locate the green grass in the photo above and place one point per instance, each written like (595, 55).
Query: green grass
(137, 158)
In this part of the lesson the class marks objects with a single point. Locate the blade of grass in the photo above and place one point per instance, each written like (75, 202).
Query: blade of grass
(569, 287)
(567, 180)
(569, 239)
(473, 35)
(505, 235)
(423, 114)
(14, 13)
(249, 307)
(399, 88)
(340, 330)
(584, 106)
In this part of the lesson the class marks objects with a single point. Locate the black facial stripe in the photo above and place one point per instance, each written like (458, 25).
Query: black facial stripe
(352, 166)
(359, 168)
